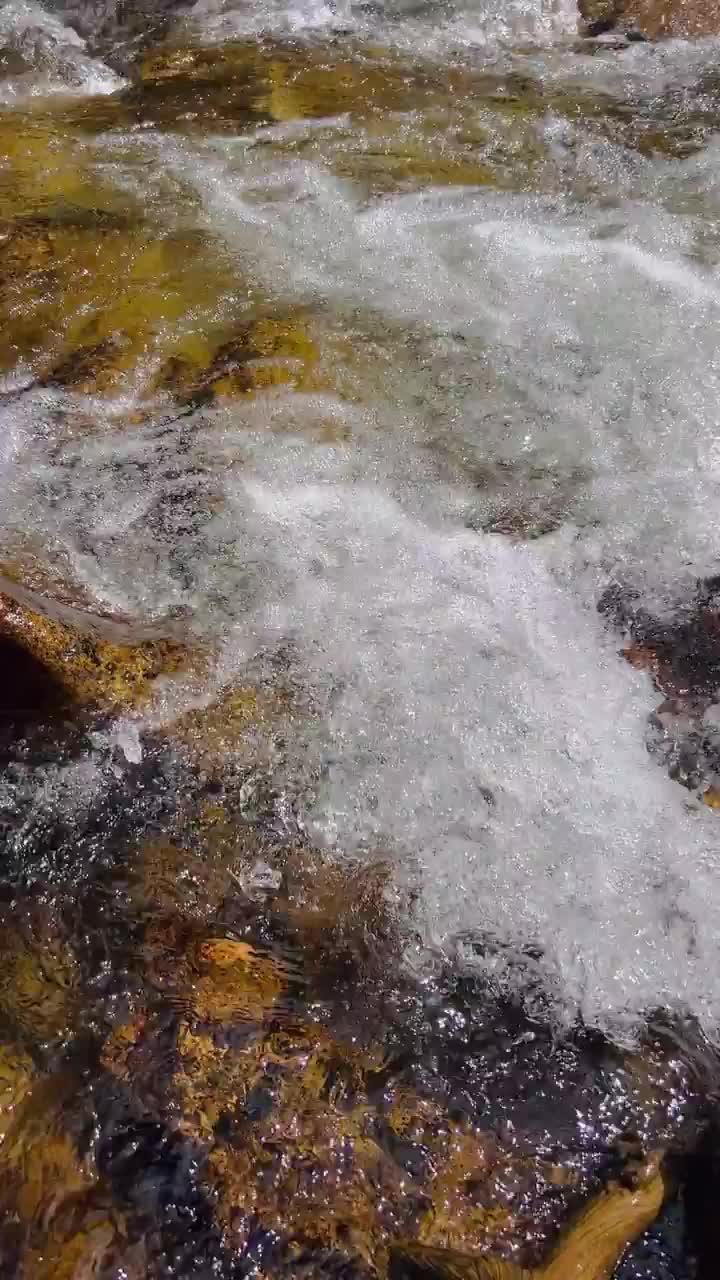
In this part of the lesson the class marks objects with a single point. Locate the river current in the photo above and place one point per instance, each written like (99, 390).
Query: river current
(495, 246)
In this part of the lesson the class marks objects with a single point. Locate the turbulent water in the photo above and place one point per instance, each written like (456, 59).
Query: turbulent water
(525, 412)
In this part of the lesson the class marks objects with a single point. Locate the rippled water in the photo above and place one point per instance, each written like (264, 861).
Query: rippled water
(369, 351)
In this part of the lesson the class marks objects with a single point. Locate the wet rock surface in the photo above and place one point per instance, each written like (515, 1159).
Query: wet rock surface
(207, 1065)
(61, 656)
(682, 654)
(227, 1128)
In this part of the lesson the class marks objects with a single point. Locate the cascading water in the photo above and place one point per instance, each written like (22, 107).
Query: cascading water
(470, 264)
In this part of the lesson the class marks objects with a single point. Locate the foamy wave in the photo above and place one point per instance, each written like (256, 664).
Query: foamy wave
(423, 25)
(47, 57)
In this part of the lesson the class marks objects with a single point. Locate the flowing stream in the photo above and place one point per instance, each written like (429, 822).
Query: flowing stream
(370, 352)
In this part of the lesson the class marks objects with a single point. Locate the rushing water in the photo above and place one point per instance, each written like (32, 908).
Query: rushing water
(474, 261)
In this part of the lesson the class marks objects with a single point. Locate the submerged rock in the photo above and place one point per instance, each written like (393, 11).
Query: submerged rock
(17, 1074)
(98, 307)
(110, 28)
(213, 979)
(589, 1250)
(82, 1240)
(42, 1170)
(39, 978)
(681, 652)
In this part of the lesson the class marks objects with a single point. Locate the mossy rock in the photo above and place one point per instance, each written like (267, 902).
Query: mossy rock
(339, 912)
(299, 1141)
(40, 1165)
(239, 724)
(39, 977)
(324, 1138)
(83, 1239)
(17, 1076)
(305, 1164)
(87, 308)
(286, 83)
(57, 1221)
(69, 657)
(51, 175)
(100, 307)
(90, 290)
(589, 1249)
(213, 978)
(166, 878)
(268, 352)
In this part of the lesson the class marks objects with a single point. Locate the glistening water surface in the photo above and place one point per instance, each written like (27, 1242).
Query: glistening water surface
(361, 736)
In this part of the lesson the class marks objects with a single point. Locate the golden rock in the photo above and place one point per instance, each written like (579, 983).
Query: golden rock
(17, 1075)
(454, 1213)
(339, 910)
(38, 981)
(40, 1168)
(74, 649)
(117, 1051)
(235, 981)
(171, 880)
(73, 1249)
(589, 1249)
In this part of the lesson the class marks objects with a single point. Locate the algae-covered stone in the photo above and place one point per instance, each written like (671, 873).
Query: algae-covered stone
(49, 175)
(237, 724)
(285, 83)
(167, 879)
(120, 1046)
(78, 1245)
(299, 1155)
(17, 1075)
(265, 352)
(91, 288)
(102, 305)
(38, 978)
(89, 308)
(83, 653)
(235, 981)
(40, 1164)
(301, 1140)
(465, 1193)
(212, 979)
(334, 909)
(589, 1249)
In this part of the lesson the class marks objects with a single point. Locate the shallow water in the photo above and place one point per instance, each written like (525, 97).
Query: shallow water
(366, 350)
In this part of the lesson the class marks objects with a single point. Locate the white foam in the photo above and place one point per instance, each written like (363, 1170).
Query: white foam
(428, 25)
(54, 57)
(471, 720)
(591, 336)
(480, 728)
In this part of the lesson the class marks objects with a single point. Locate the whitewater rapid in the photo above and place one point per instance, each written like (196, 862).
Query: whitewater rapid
(548, 352)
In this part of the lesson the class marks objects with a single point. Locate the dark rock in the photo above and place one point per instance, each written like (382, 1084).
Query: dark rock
(28, 690)
(652, 19)
(702, 1197)
(116, 26)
